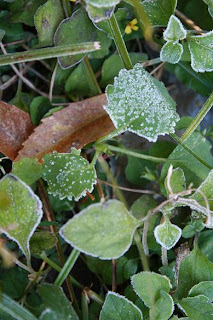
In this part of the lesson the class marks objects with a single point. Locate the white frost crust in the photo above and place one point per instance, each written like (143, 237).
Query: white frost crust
(167, 31)
(39, 213)
(89, 253)
(103, 4)
(181, 52)
(193, 61)
(111, 293)
(163, 244)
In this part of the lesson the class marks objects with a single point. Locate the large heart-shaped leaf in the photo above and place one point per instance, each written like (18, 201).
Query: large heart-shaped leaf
(68, 175)
(20, 217)
(101, 230)
(201, 52)
(139, 103)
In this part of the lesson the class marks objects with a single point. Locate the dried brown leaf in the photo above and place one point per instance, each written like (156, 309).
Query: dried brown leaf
(15, 127)
(74, 126)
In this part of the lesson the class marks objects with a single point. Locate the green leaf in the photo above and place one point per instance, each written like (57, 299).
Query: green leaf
(194, 171)
(47, 19)
(13, 282)
(167, 234)
(68, 175)
(194, 226)
(148, 286)
(99, 14)
(177, 181)
(197, 308)
(159, 11)
(2, 33)
(57, 305)
(204, 288)
(42, 241)
(14, 309)
(23, 11)
(175, 30)
(12, 32)
(205, 244)
(171, 52)
(28, 170)
(119, 307)
(201, 52)
(163, 307)
(210, 6)
(77, 29)
(142, 205)
(109, 237)
(20, 219)
(114, 64)
(193, 269)
(38, 108)
(207, 188)
(103, 3)
(139, 103)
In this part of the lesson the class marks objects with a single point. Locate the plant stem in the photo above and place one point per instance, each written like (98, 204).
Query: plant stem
(135, 154)
(120, 44)
(164, 258)
(114, 275)
(66, 8)
(57, 268)
(91, 76)
(178, 140)
(143, 257)
(199, 117)
(48, 53)
(67, 267)
(84, 305)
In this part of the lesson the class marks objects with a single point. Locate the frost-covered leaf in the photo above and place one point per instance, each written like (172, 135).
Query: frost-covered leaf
(159, 11)
(194, 171)
(201, 49)
(47, 19)
(197, 308)
(207, 188)
(204, 288)
(193, 269)
(163, 307)
(68, 175)
(177, 181)
(28, 170)
(171, 52)
(77, 29)
(139, 103)
(101, 230)
(167, 234)
(119, 307)
(175, 30)
(99, 14)
(57, 305)
(102, 3)
(42, 241)
(21, 216)
(148, 286)
(210, 6)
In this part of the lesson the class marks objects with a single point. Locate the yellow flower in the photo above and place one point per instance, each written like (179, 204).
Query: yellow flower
(131, 26)
(73, 0)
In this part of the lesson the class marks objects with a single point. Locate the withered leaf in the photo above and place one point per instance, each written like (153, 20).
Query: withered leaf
(74, 126)
(15, 127)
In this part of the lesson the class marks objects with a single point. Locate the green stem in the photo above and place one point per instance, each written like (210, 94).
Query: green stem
(178, 140)
(199, 117)
(91, 76)
(66, 8)
(143, 257)
(48, 53)
(120, 44)
(151, 62)
(84, 305)
(135, 154)
(58, 268)
(67, 267)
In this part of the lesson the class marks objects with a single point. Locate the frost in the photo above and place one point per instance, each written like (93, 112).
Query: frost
(22, 214)
(175, 30)
(167, 234)
(102, 4)
(201, 49)
(139, 103)
(171, 52)
(71, 176)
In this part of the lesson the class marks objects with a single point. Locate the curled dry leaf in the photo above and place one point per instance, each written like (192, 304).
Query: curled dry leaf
(15, 127)
(74, 126)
